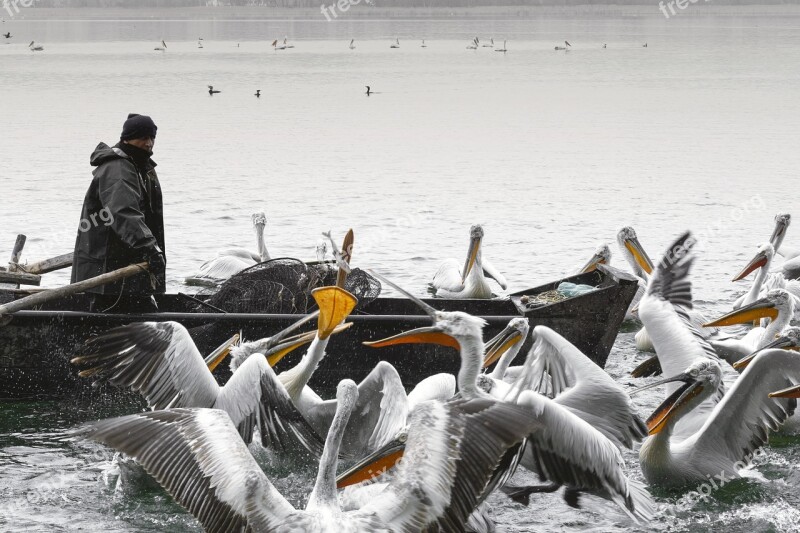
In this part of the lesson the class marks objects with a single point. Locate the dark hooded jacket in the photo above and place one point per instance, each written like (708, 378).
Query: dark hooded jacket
(122, 221)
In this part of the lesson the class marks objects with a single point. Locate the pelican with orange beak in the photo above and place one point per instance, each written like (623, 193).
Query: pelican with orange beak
(788, 340)
(601, 256)
(778, 306)
(791, 265)
(471, 281)
(730, 434)
(764, 280)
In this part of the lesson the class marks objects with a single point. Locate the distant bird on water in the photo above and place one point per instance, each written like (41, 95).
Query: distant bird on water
(35, 48)
(504, 49)
(604, 45)
(258, 93)
(644, 45)
(396, 44)
(369, 91)
(7, 35)
(567, 43)
(211, 90)
(423, 45)
(352, 46)
(161, 48)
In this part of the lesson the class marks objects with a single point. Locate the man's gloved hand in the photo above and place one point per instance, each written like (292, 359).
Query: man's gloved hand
(156, 262)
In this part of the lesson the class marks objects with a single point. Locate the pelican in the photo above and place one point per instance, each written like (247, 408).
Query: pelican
(555, 367)
(35, 47)
(788, 340)
(286, 43)
(160, 361)
(161, 48)
(352, 46)
(699, 431)
(473, 45)
(778, 305)
(211, 90)
(423, 45)
(504, 49)
(197, 457)
(563, 449)
(230, 261)
(764, 280)
(490, 45)
(567, 43)
(791, 265)
(396, 44)
(277, 46)
(601, 256)
(471, 281)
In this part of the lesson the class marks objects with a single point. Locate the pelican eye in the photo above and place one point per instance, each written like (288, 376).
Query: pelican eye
(403, 438)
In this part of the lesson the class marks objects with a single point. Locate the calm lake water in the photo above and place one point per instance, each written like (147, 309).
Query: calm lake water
(553, 152)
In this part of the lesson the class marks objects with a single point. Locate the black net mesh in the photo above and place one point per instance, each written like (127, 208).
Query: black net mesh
(6, 297)
(285, 285)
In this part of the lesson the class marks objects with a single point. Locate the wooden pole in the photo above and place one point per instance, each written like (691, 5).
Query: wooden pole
(80, 286)
(18, 278)
(49, 265)
(12, 263)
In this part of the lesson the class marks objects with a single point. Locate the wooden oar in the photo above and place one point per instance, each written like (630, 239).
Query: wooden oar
(80, 286)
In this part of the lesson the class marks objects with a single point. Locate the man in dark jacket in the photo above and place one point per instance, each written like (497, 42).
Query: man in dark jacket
(122, 221)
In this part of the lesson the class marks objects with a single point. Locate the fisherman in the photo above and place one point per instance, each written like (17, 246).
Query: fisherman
(122, 221)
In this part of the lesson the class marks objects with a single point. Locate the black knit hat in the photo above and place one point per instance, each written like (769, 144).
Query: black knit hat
(138, 127)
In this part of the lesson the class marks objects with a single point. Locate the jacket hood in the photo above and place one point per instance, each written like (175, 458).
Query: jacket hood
(104, 153)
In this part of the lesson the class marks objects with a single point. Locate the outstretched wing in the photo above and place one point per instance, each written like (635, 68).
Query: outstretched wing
(568, 451)
(491, 271)
(156, 359)
(585, 389)
(197, 456)
(448, 277)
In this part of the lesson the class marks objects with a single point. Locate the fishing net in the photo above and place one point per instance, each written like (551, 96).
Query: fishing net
(284, 286)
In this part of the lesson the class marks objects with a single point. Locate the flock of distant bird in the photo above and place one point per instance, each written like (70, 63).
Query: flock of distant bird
(460, 437)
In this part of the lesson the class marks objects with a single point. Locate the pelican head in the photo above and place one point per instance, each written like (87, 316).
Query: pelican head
(259, 219)
(627, 240)
(449, 329)
(782, 221)
(788, 340)
(514, 333)
(776, 302)
(700, 380)
(602, 256)
(761, 260)
(475, 238)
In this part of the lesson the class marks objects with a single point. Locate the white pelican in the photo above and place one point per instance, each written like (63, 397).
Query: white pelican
(563, 448)
(161, 362)
(423, 45)
(473, 45)
(471, 281)
(778, 306)
(601, 256)
(276, 46)
(230, 261)
(35, 48)
(491, 43)
(504, 49)
(556, 368)
(161, 48)
(765, 280)
(694, 434)
(791, 265)
(197, 457)
(788, 340)
(352, 45)
(395, 44)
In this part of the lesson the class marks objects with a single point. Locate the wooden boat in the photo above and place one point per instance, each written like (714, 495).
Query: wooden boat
(36, 346)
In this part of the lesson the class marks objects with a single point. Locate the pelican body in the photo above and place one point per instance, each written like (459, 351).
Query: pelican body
(471, 281)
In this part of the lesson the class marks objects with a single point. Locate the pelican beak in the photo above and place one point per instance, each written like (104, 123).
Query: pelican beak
(335, 304)
(778, 232)
(428, 335)
(217, 356)
(641, 257)
(791, 392)
(755, 311)
(650, 367)
(784, 342)
(472, 256)
(278, 352)
(658, 420)
(760, 260)
(499, 345)
(596, 259)
(375, 464)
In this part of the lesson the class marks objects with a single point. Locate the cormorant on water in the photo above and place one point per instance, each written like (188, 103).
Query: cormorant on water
(369, 91)
(7, 35)
(258, 93)
(211, 90)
